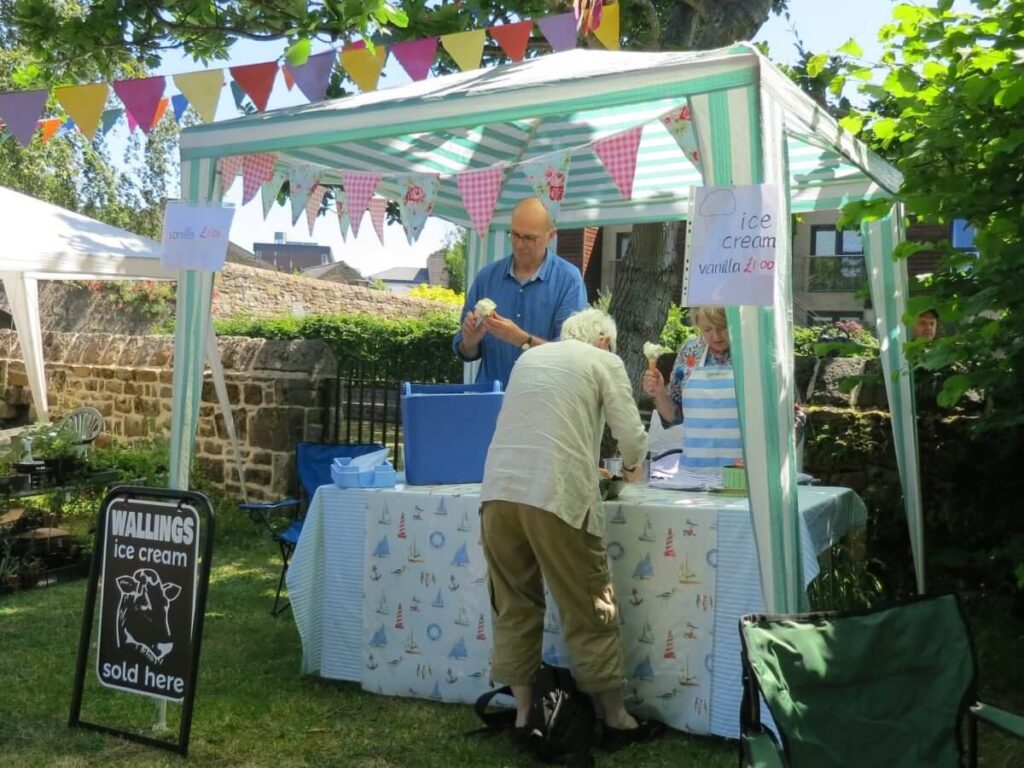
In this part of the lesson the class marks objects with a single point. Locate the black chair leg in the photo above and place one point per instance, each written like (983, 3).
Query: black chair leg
(286, 553)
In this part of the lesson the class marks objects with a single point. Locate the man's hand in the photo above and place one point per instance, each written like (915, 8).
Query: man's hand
(504, 329)
(633, 474)
(472, 331)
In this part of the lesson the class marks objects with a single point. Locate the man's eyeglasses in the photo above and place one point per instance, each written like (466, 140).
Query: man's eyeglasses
(527, 239)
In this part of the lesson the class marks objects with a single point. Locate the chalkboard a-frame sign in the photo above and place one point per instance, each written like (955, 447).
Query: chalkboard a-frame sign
(153, 576)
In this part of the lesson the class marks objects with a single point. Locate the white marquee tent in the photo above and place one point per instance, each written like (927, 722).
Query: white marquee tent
(751, 125)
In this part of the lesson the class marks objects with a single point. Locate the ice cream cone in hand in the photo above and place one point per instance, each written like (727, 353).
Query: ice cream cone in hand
(652, 352)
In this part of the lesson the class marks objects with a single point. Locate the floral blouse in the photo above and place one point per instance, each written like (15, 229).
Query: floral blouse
(689, 358)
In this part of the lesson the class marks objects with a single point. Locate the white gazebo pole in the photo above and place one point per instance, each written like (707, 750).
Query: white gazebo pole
(23, 295)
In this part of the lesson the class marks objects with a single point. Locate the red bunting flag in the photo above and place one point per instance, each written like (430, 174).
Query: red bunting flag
(313, 206)
(256, 169)
(229, 167)
(257, 80)
(513, 38)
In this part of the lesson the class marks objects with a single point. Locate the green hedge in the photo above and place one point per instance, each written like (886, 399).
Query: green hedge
(424, 342)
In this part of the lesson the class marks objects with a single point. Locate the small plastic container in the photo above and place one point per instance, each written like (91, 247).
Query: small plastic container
(346, 475)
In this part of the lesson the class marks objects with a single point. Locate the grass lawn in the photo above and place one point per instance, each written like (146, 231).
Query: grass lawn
(254, 709)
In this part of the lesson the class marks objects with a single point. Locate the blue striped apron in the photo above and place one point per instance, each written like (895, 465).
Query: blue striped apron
(711, 419)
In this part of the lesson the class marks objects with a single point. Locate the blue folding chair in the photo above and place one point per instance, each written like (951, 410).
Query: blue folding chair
(312, 469)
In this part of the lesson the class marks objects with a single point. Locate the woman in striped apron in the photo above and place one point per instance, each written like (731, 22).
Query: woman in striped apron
(702, 390)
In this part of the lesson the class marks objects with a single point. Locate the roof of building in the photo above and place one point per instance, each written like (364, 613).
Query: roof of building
(415, 275)
(338, 272)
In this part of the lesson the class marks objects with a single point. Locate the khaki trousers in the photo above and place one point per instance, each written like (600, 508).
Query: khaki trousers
(525, 546)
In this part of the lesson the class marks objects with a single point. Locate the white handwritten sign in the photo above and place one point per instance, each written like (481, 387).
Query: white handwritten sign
(195, 236)
(733, 246)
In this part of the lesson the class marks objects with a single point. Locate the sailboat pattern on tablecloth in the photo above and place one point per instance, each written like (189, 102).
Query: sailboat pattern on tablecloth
(426, 598)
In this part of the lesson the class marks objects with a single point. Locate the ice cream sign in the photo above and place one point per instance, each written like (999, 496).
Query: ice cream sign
(732, 246)
(195, 236)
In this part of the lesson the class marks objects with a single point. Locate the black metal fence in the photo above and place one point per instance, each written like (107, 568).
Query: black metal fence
(362, 403)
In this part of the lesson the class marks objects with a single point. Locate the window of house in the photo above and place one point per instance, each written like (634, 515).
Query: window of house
(621, 244)
(962, 235)
(837, 260)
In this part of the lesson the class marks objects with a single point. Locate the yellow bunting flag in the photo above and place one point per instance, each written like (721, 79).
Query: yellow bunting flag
(364, 67)
(202, 89)
(608, 32)
(84, 104)
(50, 127)
(465, 47)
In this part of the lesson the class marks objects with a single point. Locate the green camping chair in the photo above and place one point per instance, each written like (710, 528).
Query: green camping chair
(886, 686)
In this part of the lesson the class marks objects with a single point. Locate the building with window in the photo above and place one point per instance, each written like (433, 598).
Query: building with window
(292, 257)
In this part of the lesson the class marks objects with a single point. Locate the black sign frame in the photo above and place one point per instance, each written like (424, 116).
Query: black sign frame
(151, 499)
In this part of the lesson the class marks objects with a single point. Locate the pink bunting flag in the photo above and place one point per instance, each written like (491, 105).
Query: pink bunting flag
(359, 188)
(549, 178)
(141, 99)
(559, 30)
(256, 169)
(229, 167)
(416, 56)
(618, 155)
(132, 124)
(21, 111)
(378, 209)
(480, 190)
(316, 197)
(417, 194)
(339, 204)
(679, 124)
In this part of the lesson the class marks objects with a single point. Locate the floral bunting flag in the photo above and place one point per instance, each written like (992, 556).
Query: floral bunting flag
(465, 48)
(316, 197)
(362, 66)
(229, 167)
(141, 99)
(339, 204)
(270, 189)
(479, 190)
(680, 125)
(416, 56)
(202, 89)
(559, 30)
(607, 31)
(378, 209)
(256, 169)
(359, 188)
(257, 80)
(513, 38)
(301, 181)
(417, 192)
(618, 155)
(313, 76)
(21, 112)
(84, 104)
(549, 177)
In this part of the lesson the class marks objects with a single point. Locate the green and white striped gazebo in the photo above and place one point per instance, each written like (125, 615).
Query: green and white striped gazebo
(751, 125)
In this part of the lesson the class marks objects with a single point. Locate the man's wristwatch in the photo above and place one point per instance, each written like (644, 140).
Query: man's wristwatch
(527, 344)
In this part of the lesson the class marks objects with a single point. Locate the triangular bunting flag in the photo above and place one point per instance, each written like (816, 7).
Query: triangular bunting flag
(416, 56)
(466, 48)
(84, 104)
(238, 94)
(588, 15)
(202, 89)
(230, 167)
(417, 192)
(257, 80)
(549, 178)
(313, 76)
(132, 124)
(289, 81)
(180, 103)
(378, 209)
(110, 117)
(363, 67)
(479, 190)
(513, 38)
(618, 155)
(67, 127)
(607, 29)
(141, 98)
(270, 189)
(301, 181)
(679, 124)
(339, 203)
(359, 188)
(559, 30)
(160, 110)
(256, 169)
(21, 111)
(316, 197)
(49, 126)
(5, 135)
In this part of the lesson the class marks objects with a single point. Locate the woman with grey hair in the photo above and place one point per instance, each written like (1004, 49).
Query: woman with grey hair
(591, 326)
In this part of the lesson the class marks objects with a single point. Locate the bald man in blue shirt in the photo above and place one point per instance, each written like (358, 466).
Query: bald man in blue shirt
(534, 289)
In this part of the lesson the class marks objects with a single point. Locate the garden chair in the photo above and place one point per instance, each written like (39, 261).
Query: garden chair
(283, 518)
(888, 686)
(86, 422)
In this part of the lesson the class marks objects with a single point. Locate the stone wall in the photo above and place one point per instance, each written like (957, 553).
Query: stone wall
(272, 386)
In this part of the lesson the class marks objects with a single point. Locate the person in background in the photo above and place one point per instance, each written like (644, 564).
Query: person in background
(926, 326)
(543, 518)
(534, 291)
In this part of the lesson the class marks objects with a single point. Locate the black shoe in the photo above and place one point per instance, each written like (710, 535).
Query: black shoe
(521, 735)
(614, 739)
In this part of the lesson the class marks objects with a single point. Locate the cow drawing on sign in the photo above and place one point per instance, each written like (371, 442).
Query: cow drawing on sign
(142, 613)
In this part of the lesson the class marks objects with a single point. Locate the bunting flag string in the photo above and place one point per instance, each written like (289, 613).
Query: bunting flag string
(22, 111)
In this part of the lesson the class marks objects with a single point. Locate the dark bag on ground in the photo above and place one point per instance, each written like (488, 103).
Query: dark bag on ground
(561, 727)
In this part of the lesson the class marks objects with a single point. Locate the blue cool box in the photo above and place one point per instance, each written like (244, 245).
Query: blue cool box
(448, 428)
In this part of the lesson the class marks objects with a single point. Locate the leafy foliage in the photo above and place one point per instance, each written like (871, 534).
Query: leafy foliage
(455, 260)
(439, 294)
(947, 112)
